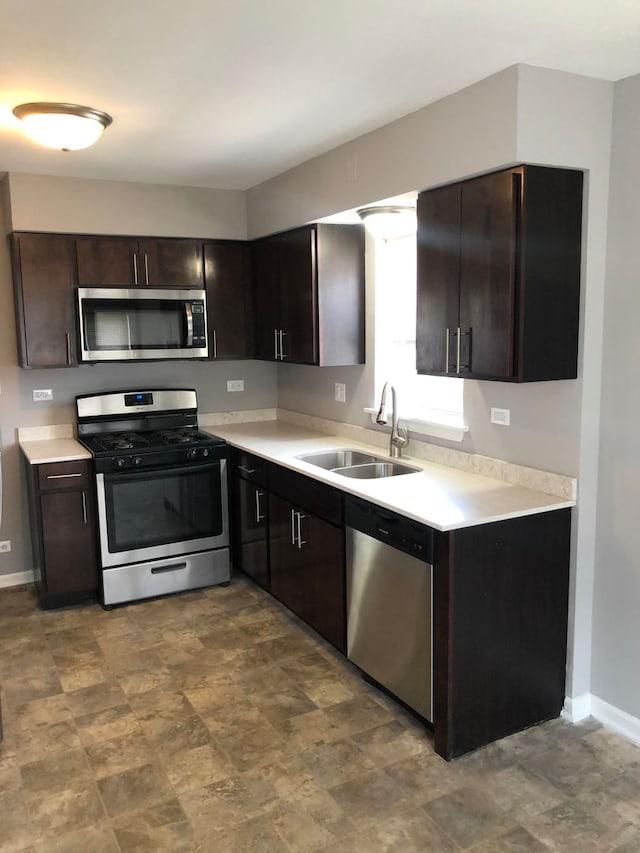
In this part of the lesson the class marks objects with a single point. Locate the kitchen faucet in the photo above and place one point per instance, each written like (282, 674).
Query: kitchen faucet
(398, 438)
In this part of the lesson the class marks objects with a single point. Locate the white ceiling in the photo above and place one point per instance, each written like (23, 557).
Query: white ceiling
(228, 93)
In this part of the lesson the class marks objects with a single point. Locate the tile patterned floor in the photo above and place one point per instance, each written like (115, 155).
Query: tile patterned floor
(215, 721)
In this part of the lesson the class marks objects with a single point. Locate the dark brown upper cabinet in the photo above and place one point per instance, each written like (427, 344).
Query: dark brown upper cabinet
(133, 262)
(44, 270)
(309, 295)
(498, 279)
(230, 320)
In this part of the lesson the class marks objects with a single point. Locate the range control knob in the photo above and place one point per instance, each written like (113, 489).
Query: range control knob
(192, 454)
(120, 462)
(136, 460)
(205, 451)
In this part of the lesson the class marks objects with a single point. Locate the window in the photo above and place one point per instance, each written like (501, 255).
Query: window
(431, 405)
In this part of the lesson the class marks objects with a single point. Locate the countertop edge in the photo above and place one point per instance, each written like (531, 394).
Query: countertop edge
(528, 501)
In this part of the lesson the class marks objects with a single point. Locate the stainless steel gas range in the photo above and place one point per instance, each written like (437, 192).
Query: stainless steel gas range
(162, 493)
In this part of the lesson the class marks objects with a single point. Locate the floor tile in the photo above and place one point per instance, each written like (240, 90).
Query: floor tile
(215, 721)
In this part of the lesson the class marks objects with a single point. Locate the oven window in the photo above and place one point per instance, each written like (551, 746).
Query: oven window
(114, 325)
(158, 507)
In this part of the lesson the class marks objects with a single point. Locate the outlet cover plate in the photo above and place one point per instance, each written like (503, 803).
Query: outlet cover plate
(235, 385)
(42, 394)
(341, 392)
(501, 416)
(5, 547)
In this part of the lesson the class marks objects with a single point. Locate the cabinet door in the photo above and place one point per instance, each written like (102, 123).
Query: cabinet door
(284, 557)
(171, 263)
(438, 279)
(252, 541)
(298, 296)
(322, 601)
(488, 273)
(44, 273)
(69, 543)
(108, 262)
(229, 300)
(266, 290)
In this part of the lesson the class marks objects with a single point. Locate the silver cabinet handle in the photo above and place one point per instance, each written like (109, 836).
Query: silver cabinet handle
(446, 350)
(293, 527)
(68, 344)
(215, 344)
(259, 515)
(282, 355)
(458, 350)
(84, 507)
(299, 517)
(135, 268)
(61, 476)
(146, 268)
(246, 470)
(275, 343)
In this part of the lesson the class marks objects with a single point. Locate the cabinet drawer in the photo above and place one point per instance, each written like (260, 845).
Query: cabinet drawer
(318, 498)
(249, 467)
(64, 475)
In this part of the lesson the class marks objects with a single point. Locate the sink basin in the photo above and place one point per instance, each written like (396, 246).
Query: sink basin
(342, 458)
(375, 470)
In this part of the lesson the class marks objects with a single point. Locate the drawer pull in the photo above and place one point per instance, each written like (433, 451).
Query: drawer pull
(246, 470)
(174, 567)
(61, 476)
(84, 507)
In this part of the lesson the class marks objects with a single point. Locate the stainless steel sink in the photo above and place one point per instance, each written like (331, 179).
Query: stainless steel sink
(356, 464)
(375, 470)
(330, 459)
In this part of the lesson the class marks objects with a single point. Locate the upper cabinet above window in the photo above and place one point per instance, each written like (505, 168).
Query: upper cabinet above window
(499, 276)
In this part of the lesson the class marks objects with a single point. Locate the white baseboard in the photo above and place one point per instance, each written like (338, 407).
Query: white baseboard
(16, 579)
(578, 708)
(614, 718)
(587, 705)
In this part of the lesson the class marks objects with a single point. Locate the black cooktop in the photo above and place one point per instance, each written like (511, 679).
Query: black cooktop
(115, 442)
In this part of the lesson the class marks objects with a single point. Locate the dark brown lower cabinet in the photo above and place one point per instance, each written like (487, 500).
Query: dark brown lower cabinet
(500, 628)
(252, 531)
(63, 513)
(307, 567)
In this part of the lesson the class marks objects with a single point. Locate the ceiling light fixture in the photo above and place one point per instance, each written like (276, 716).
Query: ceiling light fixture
(67, 127)
(387, 222)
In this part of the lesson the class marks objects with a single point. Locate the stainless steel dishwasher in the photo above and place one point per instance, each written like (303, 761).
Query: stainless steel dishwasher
(390, 602)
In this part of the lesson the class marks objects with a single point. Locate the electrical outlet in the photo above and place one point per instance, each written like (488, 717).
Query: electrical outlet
(5, 547)
(235, 385)
(341, 392)
(43, 394)
(501, 416)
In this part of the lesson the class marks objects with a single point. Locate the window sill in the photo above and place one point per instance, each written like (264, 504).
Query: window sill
(445, 428)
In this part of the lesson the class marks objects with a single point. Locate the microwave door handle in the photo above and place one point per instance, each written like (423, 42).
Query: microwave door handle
(188, 313)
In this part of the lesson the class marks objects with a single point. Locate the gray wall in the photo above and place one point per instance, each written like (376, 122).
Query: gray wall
(60, 204)
(522, 114)
(616, 600)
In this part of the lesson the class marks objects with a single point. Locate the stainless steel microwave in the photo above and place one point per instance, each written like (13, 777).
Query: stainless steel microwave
(118, 324)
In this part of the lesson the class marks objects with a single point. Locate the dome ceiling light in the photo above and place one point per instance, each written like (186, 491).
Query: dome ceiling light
(67, 127)
(387, 222)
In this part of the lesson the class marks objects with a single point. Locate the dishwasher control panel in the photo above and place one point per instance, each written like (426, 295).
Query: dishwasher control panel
(390, 527)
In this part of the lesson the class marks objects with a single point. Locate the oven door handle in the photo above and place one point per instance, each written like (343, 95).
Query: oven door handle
(188, 313)
(174, 567)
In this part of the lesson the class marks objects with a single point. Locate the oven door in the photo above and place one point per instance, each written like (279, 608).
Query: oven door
(149, 515)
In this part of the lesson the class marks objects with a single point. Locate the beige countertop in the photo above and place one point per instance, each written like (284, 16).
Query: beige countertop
(50, 444)
(442, 497)
(53, 450)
